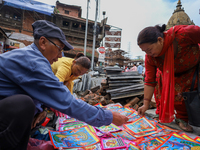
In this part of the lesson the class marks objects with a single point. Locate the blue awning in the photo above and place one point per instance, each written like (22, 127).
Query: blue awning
(31, 6)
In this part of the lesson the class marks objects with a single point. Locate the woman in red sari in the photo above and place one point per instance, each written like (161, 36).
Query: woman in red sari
(176, 53)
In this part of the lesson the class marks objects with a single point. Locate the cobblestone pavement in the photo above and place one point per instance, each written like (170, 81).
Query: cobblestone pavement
(196, 132)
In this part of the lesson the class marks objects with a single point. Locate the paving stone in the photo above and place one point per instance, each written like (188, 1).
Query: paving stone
(151, 113)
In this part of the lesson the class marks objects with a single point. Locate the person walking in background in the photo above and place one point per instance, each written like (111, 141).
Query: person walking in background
(127, 69)
(140, 69)
(176, 53)
(134, 68)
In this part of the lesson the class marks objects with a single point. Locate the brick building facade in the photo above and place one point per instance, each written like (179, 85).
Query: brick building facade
(67, 17)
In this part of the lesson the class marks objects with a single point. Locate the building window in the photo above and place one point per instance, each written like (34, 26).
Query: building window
(75, 25)
(91, 28)
(83, 27)
(65, 23)
(17, 17)
(7, 14)
(67, 12)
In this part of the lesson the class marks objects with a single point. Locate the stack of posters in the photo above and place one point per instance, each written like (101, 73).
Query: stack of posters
(139, 133)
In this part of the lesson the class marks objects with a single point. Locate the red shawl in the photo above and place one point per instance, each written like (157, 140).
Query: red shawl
(166, 113)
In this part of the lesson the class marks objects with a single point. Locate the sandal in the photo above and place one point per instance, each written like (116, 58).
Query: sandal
(184, 125)
(156, 117)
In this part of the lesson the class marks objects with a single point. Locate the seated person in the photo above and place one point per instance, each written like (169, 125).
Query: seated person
(68, 69)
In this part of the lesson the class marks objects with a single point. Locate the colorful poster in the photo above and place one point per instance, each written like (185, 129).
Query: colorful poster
(133, 117)
(114, 106)
(124, 110)
(112, 143)
(124, 135)
(163, 132)
(141, 125)
(93, 147)
(98, 105)
(151, 144)
(187, 137)
(64, 121)
(133, 147)
(175, 141)
(71, 125)
(108, 129)
(74, 138)
(197, 139)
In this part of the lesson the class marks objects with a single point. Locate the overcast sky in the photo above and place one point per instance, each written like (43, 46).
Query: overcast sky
(134, 15)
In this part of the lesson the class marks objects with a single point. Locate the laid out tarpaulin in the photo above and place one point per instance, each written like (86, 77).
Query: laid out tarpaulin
(31, 6)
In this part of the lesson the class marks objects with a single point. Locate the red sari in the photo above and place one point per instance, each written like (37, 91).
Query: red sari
(177, 71)
(158, 90)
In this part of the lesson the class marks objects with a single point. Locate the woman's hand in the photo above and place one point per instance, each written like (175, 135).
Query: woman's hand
(148, 93)
(142, 110)
(39, 117)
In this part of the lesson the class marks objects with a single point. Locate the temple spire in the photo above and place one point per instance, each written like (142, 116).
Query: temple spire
(178, 7)
(179, 17)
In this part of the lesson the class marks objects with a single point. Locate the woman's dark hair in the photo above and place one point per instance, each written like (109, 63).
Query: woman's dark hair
(79, 54)
(84, 62)
(150, 34)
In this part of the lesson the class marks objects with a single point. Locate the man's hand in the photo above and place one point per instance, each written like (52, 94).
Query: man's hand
(142, 110)
(119, 119)
(38, 118)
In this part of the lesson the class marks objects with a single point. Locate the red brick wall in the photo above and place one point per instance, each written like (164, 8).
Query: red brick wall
(27, 22)
(29, 19)
(72, 12)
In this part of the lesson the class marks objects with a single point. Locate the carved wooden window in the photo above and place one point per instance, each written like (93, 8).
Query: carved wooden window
(65, 23)
(83, 27)
(67, 12)
(17, 17)
(7, 14)
(75, 25)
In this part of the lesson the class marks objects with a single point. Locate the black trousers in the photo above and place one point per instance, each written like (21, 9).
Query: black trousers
(16, 116)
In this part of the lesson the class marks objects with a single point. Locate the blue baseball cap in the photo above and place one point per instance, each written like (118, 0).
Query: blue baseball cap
(50, 30)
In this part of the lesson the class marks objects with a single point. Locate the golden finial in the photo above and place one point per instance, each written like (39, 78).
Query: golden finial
(179, 2)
